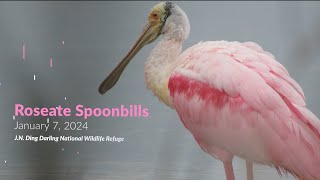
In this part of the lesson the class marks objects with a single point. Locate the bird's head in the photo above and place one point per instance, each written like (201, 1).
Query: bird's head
(164, 18)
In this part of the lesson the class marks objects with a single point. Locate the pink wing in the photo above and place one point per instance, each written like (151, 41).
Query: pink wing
(236, 97)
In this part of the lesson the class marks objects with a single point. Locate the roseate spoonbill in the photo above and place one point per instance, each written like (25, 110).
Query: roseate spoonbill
(235, 98)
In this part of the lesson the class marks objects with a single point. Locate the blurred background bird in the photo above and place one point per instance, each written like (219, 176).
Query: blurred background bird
(235, 98)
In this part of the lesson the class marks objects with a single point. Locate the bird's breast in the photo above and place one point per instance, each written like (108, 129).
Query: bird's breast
(159, 87)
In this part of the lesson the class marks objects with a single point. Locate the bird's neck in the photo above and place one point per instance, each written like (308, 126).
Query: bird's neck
(159, 66)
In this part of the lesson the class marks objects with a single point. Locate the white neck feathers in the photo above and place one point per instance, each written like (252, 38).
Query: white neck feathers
(159, 66)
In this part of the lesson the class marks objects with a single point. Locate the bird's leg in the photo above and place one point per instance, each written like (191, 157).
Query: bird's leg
(249, 168)
(228, 170)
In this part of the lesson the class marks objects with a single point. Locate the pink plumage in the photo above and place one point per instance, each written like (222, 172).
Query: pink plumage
(235, 98)
(238, 99)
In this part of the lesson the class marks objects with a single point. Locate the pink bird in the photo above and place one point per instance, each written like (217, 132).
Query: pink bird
(235, 98)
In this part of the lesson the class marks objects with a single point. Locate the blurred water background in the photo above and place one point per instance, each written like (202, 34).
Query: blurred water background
(96, 35)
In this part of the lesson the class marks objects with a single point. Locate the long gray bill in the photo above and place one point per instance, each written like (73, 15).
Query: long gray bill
(114, 76)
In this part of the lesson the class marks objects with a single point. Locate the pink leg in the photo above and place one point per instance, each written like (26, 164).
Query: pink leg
(228, 170)
(249, 168)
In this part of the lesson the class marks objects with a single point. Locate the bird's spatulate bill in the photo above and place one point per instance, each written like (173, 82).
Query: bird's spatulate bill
(145, 37)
